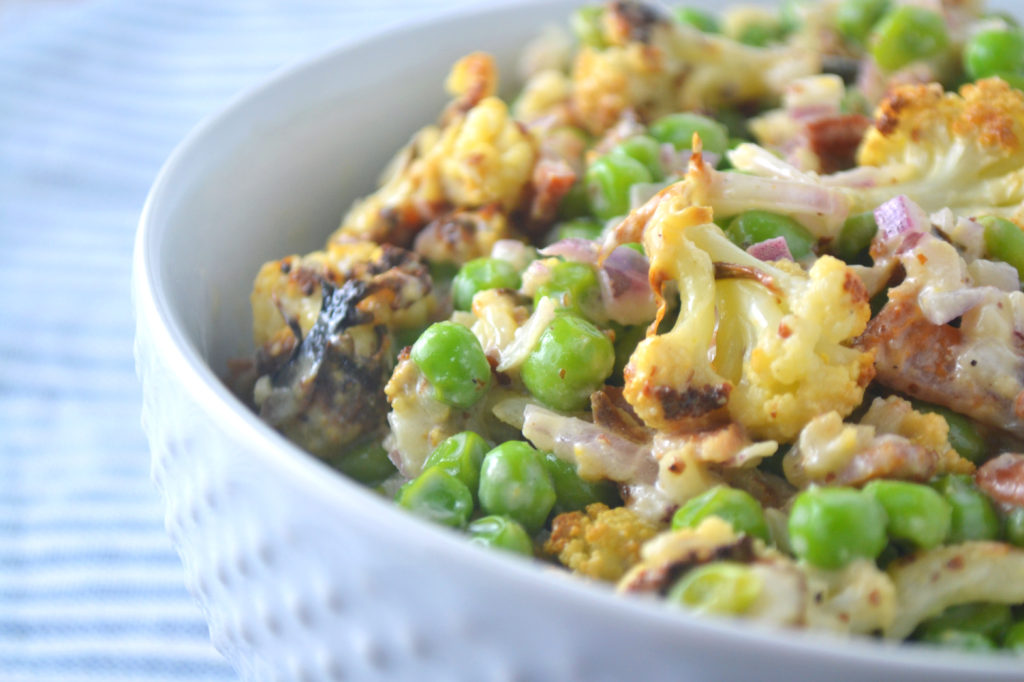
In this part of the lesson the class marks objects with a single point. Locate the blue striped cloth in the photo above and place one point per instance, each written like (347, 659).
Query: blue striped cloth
(93, 97)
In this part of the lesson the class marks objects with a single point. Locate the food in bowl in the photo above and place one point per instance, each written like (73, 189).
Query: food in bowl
(726, 313)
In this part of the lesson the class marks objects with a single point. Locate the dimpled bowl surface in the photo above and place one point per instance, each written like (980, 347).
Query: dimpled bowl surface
(302, 574)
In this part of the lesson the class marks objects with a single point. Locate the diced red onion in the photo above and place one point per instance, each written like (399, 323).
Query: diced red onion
(994, 273)
(626, 287)
(945, 306)
(573, 248)
(775, 248)
(598, 452)
(536, 274)
(900, 216)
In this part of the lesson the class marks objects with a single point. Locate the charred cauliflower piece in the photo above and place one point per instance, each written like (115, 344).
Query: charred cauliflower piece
(654, 65)
(599, 543)
(963, 151)
(780, 336)
(476, 157)
(893, 441)
(323, 388)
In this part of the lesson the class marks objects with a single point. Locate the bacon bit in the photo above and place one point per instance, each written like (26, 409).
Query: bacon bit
(835, 139)
(955, 564)
(1002, 479)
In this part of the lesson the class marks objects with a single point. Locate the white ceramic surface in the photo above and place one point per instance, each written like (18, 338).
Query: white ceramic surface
(304, 575)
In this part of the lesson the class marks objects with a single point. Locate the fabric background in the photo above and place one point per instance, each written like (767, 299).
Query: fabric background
(94, 95)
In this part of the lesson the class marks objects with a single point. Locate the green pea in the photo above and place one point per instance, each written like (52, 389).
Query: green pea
(830, 527)
(442, 272)
(908, 34)
(439, 497)
(366, 462)
(587, 25)
(572, 359)
(856, 235)
(960, 639)
(626, 341)
(735, 506)
(791, 15)
(515, 483)
(974, 517)
(996, 52)
(679, 129)
(1014, 523)
(608, 180)
(452, 360)
(500, 532)
(572, 492)
(1004, 240)
(580, 228)
(759, 33)
(917, 513)
(575, 203)
(480, 274)
(461, 456)
(719, 587)
(573, 285)
(699, 19)
(963, 435)
(1014, 639)
(644, 149)
(990, 620)
(854, 102)
(856, 18)
(751, 227)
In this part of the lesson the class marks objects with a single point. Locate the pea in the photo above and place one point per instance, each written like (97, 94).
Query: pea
(587, 25)
(572, 359)
(736, 506)
(626, 341)
(908, 34)
(515, 483)
(720, 587)
(480, 274)
(1014, 639)
(1015, 527)
(1004, 240)
(830, 527)
(996, 52)
(575, 203)
(963, 435)
(573, 285)
(452, 360)
(699, 19)
(608, 180)
(580, 228)
(791, 15)
(367, 462)
(917, 513)
(644, 149)
(974, 517)
(500, 532)
(856, 18)
(679, 129)
(856, 235)
(989, 620)
(960, 639)
(572, 493)
(438, 496)
(751, 227)
(759, 33)
(442, 272)
(461, 456)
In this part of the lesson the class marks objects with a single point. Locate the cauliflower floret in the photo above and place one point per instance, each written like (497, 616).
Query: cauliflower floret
(892, 441)
(653, 65)
(599, 543)
(964, 151)
(477, 156)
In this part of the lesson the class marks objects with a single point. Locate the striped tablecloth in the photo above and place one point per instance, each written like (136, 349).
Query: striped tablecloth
(94, 94)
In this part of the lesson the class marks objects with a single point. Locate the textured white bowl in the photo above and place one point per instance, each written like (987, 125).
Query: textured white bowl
(304, 575)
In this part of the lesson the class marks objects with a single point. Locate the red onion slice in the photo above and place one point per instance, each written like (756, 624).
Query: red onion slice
(626, 287)
(775, 248)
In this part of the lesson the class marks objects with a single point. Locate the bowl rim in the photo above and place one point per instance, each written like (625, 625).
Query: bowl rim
(152, 307)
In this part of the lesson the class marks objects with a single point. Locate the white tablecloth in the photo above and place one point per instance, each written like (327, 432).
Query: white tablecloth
(94, 94)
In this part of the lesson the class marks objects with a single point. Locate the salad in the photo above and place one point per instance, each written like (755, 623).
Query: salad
(724, 311)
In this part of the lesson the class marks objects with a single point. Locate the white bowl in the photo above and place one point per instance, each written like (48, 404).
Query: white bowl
(304, 575)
